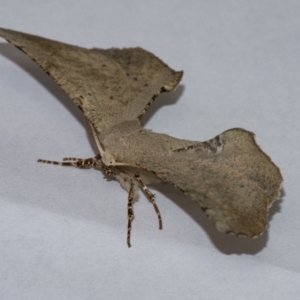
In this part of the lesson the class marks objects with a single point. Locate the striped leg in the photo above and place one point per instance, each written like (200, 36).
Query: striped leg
(71, 161)
(151, 198)
(130, 214)
(95, 162)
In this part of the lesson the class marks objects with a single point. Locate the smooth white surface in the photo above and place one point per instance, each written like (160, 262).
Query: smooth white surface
(63, 230)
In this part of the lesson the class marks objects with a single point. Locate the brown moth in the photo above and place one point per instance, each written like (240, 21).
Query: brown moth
(229, 176)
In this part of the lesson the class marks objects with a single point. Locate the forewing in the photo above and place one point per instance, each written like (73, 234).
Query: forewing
(93, 81)
(147, 74)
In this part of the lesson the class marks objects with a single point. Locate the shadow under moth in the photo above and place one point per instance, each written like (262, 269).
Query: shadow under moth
(229, 176)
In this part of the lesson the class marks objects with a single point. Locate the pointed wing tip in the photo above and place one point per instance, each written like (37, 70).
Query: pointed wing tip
(5, 32)
(4, 29)
(175, 82)
(16, 38)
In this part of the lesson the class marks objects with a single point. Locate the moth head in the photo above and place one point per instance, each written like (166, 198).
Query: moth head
(108, 159)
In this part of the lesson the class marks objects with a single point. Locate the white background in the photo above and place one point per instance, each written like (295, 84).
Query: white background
(63, 230)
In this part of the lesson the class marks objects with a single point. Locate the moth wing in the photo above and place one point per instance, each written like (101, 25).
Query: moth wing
(96, 83)
(110, 86)
(148, 75)
(230, 177)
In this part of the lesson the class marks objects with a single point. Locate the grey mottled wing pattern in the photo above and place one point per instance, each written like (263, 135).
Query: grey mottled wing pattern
(147, 75)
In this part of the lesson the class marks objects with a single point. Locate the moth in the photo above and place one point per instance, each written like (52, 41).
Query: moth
(229, 176)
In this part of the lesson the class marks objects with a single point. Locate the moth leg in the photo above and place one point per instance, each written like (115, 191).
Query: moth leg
(72, 161)
(95, 162)
(151, 198)
(130, 213)
(81, 163)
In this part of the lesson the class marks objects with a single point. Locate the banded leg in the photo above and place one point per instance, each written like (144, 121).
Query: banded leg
(81, 163)
(72, 161)
(130, 214)
(151, 198)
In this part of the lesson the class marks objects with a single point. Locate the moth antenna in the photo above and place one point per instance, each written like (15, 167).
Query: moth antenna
(130, 213)
(151, 198)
